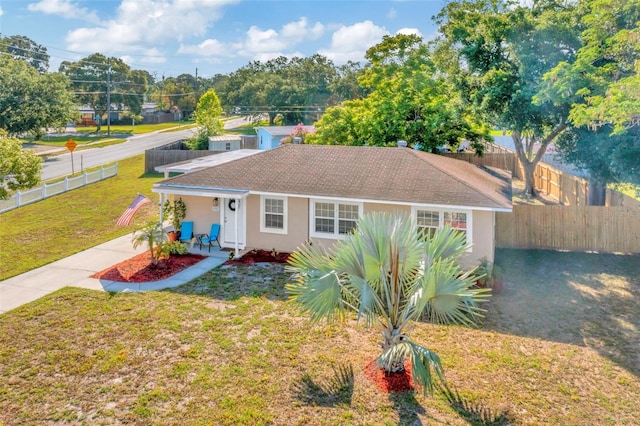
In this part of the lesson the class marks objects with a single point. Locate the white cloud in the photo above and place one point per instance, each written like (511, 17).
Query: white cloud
(351, 42)
(65, 9)
(140, 24)
(1, 11)
(410, 31)
(271, 43)
(209, 47)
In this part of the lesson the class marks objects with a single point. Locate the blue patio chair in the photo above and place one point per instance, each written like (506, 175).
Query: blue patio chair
(212, 237)
(186, 232)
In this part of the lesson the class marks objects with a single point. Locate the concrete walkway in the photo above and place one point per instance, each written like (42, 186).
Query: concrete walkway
(76, 270)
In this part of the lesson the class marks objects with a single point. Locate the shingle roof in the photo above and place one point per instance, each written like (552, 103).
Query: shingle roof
(367, 173)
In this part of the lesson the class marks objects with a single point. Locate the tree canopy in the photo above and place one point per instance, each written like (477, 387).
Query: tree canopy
(31, 102)
(23, 48)
(603, 87)
(19, 169)
(298, 89)
(97, 77)
(495, 52)
(406, 100)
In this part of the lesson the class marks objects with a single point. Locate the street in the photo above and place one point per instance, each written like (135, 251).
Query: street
(60, 165)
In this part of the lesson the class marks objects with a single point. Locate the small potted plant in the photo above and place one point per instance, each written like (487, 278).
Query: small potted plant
(175, 212)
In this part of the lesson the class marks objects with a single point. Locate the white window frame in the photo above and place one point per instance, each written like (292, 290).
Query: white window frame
(263, 213)
(441, 211)
(335, 235)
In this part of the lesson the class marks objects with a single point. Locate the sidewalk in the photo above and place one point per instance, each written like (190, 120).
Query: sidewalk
(76, 270)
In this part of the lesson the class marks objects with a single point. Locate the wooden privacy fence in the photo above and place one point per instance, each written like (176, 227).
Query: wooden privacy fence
(566, 188)
(575, 228)
(169, 154)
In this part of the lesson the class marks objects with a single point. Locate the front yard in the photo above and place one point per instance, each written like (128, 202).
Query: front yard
(560, 346)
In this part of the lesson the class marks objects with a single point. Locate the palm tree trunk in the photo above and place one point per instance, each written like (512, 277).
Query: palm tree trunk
(390, 338)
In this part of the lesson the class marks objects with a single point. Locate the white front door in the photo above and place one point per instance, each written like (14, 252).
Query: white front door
(233, 212)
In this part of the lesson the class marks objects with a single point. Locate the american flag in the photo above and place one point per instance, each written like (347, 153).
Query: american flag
(127, 216)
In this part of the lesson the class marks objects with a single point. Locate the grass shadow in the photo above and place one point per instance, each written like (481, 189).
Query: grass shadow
(584, 299)
(474, 413)
(407, 407)
(334, 391)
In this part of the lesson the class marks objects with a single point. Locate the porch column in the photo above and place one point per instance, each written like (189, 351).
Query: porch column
(237, 201)
(160, 203)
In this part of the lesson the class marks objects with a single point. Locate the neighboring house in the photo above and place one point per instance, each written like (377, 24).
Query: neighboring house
(280, 198)
(270, 137)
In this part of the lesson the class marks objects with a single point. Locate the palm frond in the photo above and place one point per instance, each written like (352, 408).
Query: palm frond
(319, 294)
(446, 243)
(449, 297)
(424, 365)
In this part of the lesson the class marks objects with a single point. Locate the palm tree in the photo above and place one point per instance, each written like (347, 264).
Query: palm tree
(390, 275)
(151, 233)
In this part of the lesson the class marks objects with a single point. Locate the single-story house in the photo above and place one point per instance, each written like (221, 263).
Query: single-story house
(270, 136)
(280, 198)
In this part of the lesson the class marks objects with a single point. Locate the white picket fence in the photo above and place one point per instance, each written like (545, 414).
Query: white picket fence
(21, 198)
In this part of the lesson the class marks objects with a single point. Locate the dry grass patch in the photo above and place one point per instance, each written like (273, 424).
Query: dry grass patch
(228, 348)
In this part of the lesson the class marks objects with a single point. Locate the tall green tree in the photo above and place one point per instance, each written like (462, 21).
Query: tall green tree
(406, 101)
(389, 276)
(495, 53)
(19, 168)
(97, 77)
(603, 86)
(298, 89)
(31, 102)
(207, 116)
(23, 48)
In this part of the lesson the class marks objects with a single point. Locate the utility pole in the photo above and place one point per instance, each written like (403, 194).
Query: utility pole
(109, 100)
(196, 86)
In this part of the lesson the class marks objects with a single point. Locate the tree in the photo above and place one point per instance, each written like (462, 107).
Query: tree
(30, 102)
(406, 101)
(96, 78)
(19, 169)
(603, 86)
(609, 158)
(25, 49)
(207, 115)
(152, 234)
(390, 276)
(495, 52)
(604, 81)
(298, 89)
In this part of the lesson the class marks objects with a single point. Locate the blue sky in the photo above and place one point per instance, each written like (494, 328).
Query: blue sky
(170, 37)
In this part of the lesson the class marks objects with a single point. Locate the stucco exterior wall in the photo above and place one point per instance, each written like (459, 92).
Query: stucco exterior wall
(483, 238)
(297, 226)
(200, 212)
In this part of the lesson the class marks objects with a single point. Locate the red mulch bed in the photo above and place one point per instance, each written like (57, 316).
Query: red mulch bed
(395, 382)
(139, 269)
(258, 256)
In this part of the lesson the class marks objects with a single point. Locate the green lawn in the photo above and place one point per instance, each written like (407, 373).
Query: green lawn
(59, 226)
(559, 347)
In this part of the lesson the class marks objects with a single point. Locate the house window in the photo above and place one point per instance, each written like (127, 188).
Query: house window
(227, 146)
(333, 220)
(273, 214)
(429, 221)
